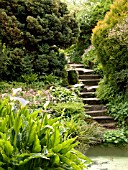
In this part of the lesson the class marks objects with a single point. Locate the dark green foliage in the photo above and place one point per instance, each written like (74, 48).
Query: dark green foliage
(105, 91)
(72, 77)
(33, 31)
(4, 61)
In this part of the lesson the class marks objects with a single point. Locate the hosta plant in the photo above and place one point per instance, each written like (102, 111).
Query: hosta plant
(33, 140)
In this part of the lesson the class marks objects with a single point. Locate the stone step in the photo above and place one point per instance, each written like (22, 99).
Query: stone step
(89, 88)
(96, 113)
(82, 71)
(91, 101)
(76, 65)
(108, 125)
(81, 85)
(104, 119)
(90, 82)
(90, 76)
(94, 107)
(87, 94)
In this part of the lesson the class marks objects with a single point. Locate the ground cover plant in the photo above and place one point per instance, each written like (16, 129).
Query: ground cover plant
(118, 136)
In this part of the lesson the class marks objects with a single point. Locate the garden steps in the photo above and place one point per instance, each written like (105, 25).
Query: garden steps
(109, 125)
(89, 88)
(87, 94)
(95, 113)
(76, 65)
(103, 119)
(92, 100)
(89, 82)
(88, 76)
(80, 71)
(93, 106)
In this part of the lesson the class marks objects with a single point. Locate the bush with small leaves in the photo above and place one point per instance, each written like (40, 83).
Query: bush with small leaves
(33, 31)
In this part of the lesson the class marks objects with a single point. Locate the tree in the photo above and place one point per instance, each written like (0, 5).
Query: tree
(35, 30)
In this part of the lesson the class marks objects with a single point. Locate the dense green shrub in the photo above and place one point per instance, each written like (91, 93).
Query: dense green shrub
(72, 77)
(105, 91)
(111, 49)
(33, 31)
(120, 32)
(110, 40)
(3, 59)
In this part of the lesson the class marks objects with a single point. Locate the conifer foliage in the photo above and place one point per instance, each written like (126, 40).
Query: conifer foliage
(32, 32)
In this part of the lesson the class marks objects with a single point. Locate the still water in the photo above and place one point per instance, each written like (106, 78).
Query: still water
(108, 157)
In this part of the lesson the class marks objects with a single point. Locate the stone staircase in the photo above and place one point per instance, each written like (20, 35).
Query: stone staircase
(93, 106)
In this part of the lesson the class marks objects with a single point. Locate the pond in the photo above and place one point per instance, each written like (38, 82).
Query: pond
(108, 157)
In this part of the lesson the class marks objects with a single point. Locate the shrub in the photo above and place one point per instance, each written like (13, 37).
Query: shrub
(33, 32)
(111, 51)
(105, 91)
(120, 32)
(79, 124)
(111, 46)
(30, 78)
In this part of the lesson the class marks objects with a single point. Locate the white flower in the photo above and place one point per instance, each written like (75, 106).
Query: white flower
(14, 91)
(46, 104)
(21, 100)
(4, 94)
